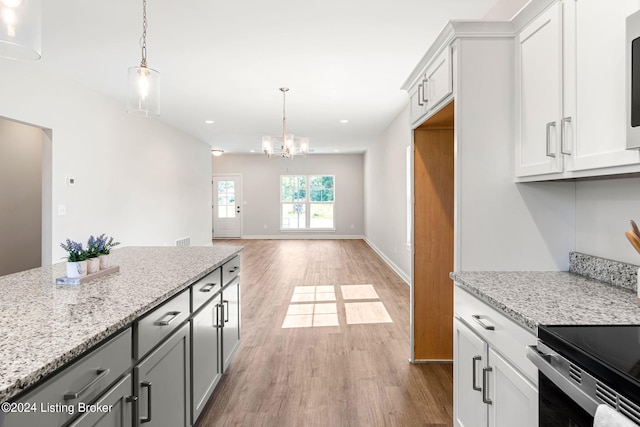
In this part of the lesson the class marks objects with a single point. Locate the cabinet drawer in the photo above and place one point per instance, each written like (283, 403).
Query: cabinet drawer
(57, 399)
(160, 322)
(230, 270)
(114, 408)
(205, 288)
(507, 337)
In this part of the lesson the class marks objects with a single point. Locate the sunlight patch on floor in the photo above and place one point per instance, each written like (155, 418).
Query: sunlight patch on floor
(313, 293)
(311, 315)
(350, 292)
(366, 312)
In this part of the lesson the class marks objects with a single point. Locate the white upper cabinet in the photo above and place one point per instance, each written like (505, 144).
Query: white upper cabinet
(539, 91)
(433, 86)
(570, 80)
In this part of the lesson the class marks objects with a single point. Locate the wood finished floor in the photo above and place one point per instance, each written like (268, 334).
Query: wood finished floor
(346, 375)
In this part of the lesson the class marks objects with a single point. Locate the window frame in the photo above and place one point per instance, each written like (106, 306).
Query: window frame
(307, 203)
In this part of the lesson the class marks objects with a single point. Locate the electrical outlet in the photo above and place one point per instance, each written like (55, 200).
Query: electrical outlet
(62, 210)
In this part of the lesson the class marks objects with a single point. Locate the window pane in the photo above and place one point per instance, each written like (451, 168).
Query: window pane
(293, 188)
(226, 199)
(293, 215)
(321, 188)
(321, 215)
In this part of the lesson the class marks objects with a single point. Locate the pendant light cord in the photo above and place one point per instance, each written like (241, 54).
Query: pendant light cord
(143, 63)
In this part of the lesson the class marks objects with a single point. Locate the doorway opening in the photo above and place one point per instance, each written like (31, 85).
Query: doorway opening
(433, 237)
(25, 196)
(227, 211)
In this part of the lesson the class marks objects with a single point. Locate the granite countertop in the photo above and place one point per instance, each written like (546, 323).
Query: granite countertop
(43, 325)
(552, 297)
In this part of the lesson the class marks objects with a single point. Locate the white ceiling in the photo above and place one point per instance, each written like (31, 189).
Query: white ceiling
(225, 60)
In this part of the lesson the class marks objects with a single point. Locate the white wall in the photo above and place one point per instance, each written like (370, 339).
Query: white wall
(261, 191)
(501, 225)
(603, 210)
(385, 174)
(137, 179)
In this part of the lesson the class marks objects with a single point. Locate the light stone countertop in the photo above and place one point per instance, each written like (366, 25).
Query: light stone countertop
(551, 297)
(43, 325)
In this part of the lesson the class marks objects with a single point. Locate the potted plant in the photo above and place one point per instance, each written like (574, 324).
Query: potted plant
(76, 260)
(105, 244)
(93, 252)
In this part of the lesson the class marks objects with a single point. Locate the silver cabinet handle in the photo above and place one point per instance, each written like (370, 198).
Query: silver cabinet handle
(147, 385)
(234, 269)
(208, 287)
(174, 315)
(485, 371)
(226, 312)
(134, 412)
(549, 126)
(479, 321)
(420, 90)
(474, 385)
(425, 90)
(563, 124)
(102, 373)
(216, 308)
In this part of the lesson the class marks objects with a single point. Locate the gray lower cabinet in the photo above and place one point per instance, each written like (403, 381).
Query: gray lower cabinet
(206, 335)
(116, 408)
(231, 327)
(162, 383)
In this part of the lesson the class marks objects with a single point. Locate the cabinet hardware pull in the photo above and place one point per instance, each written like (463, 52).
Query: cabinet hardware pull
(208, 287)
(420, 90)
(562, 134)
(476, 317)
(223, 315)
(174, 315)
(102, 373)
(474, 385)
(425, 90)
(485, 371)
(147, 385)
(216, 308)
(234, 269)
(549, 126)
(226, 312)
(134, 412)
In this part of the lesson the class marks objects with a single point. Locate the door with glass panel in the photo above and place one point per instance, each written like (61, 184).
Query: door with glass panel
(227, 212)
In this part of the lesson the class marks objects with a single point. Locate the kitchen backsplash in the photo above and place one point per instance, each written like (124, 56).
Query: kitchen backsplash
(613, 272)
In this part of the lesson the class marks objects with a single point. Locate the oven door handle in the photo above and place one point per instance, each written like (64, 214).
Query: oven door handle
(543, 363)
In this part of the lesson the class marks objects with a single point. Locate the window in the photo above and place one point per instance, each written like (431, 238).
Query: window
(226, 199)
(306, 202)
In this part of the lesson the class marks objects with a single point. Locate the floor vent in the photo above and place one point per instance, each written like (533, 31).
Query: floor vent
(186, 241)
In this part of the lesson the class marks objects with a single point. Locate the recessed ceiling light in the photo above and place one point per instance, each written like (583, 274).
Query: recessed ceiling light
(344, 121)
(252, 151)
(209, 122)
(336, 151)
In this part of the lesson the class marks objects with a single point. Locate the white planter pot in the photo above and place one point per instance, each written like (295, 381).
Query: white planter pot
(76, 269)
(104, 261)
(93, 265)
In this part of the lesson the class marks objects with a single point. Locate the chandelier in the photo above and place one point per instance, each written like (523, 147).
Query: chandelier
(289, 146)
(143, 96)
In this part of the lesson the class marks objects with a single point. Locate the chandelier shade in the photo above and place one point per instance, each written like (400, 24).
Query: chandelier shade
(143, 92)
(21, 29)
(286, 145)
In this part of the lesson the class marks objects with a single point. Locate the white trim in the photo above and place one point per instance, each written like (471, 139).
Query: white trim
(303, 236)
(240, 202)
(404, 276)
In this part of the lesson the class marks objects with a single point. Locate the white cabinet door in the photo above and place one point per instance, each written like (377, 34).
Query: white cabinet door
(596, 92)
(470, 357)
(438, 79)
(514, 400)
(539, 95)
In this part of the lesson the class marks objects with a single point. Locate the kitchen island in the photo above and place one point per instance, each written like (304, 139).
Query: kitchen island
(45, 327)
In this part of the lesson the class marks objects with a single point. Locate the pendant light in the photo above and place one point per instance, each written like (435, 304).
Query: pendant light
(20, 29)
(144, 83)
(289, 145)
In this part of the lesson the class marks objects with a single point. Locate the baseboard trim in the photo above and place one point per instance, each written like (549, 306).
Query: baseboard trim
(302, 236)
(403, 275)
